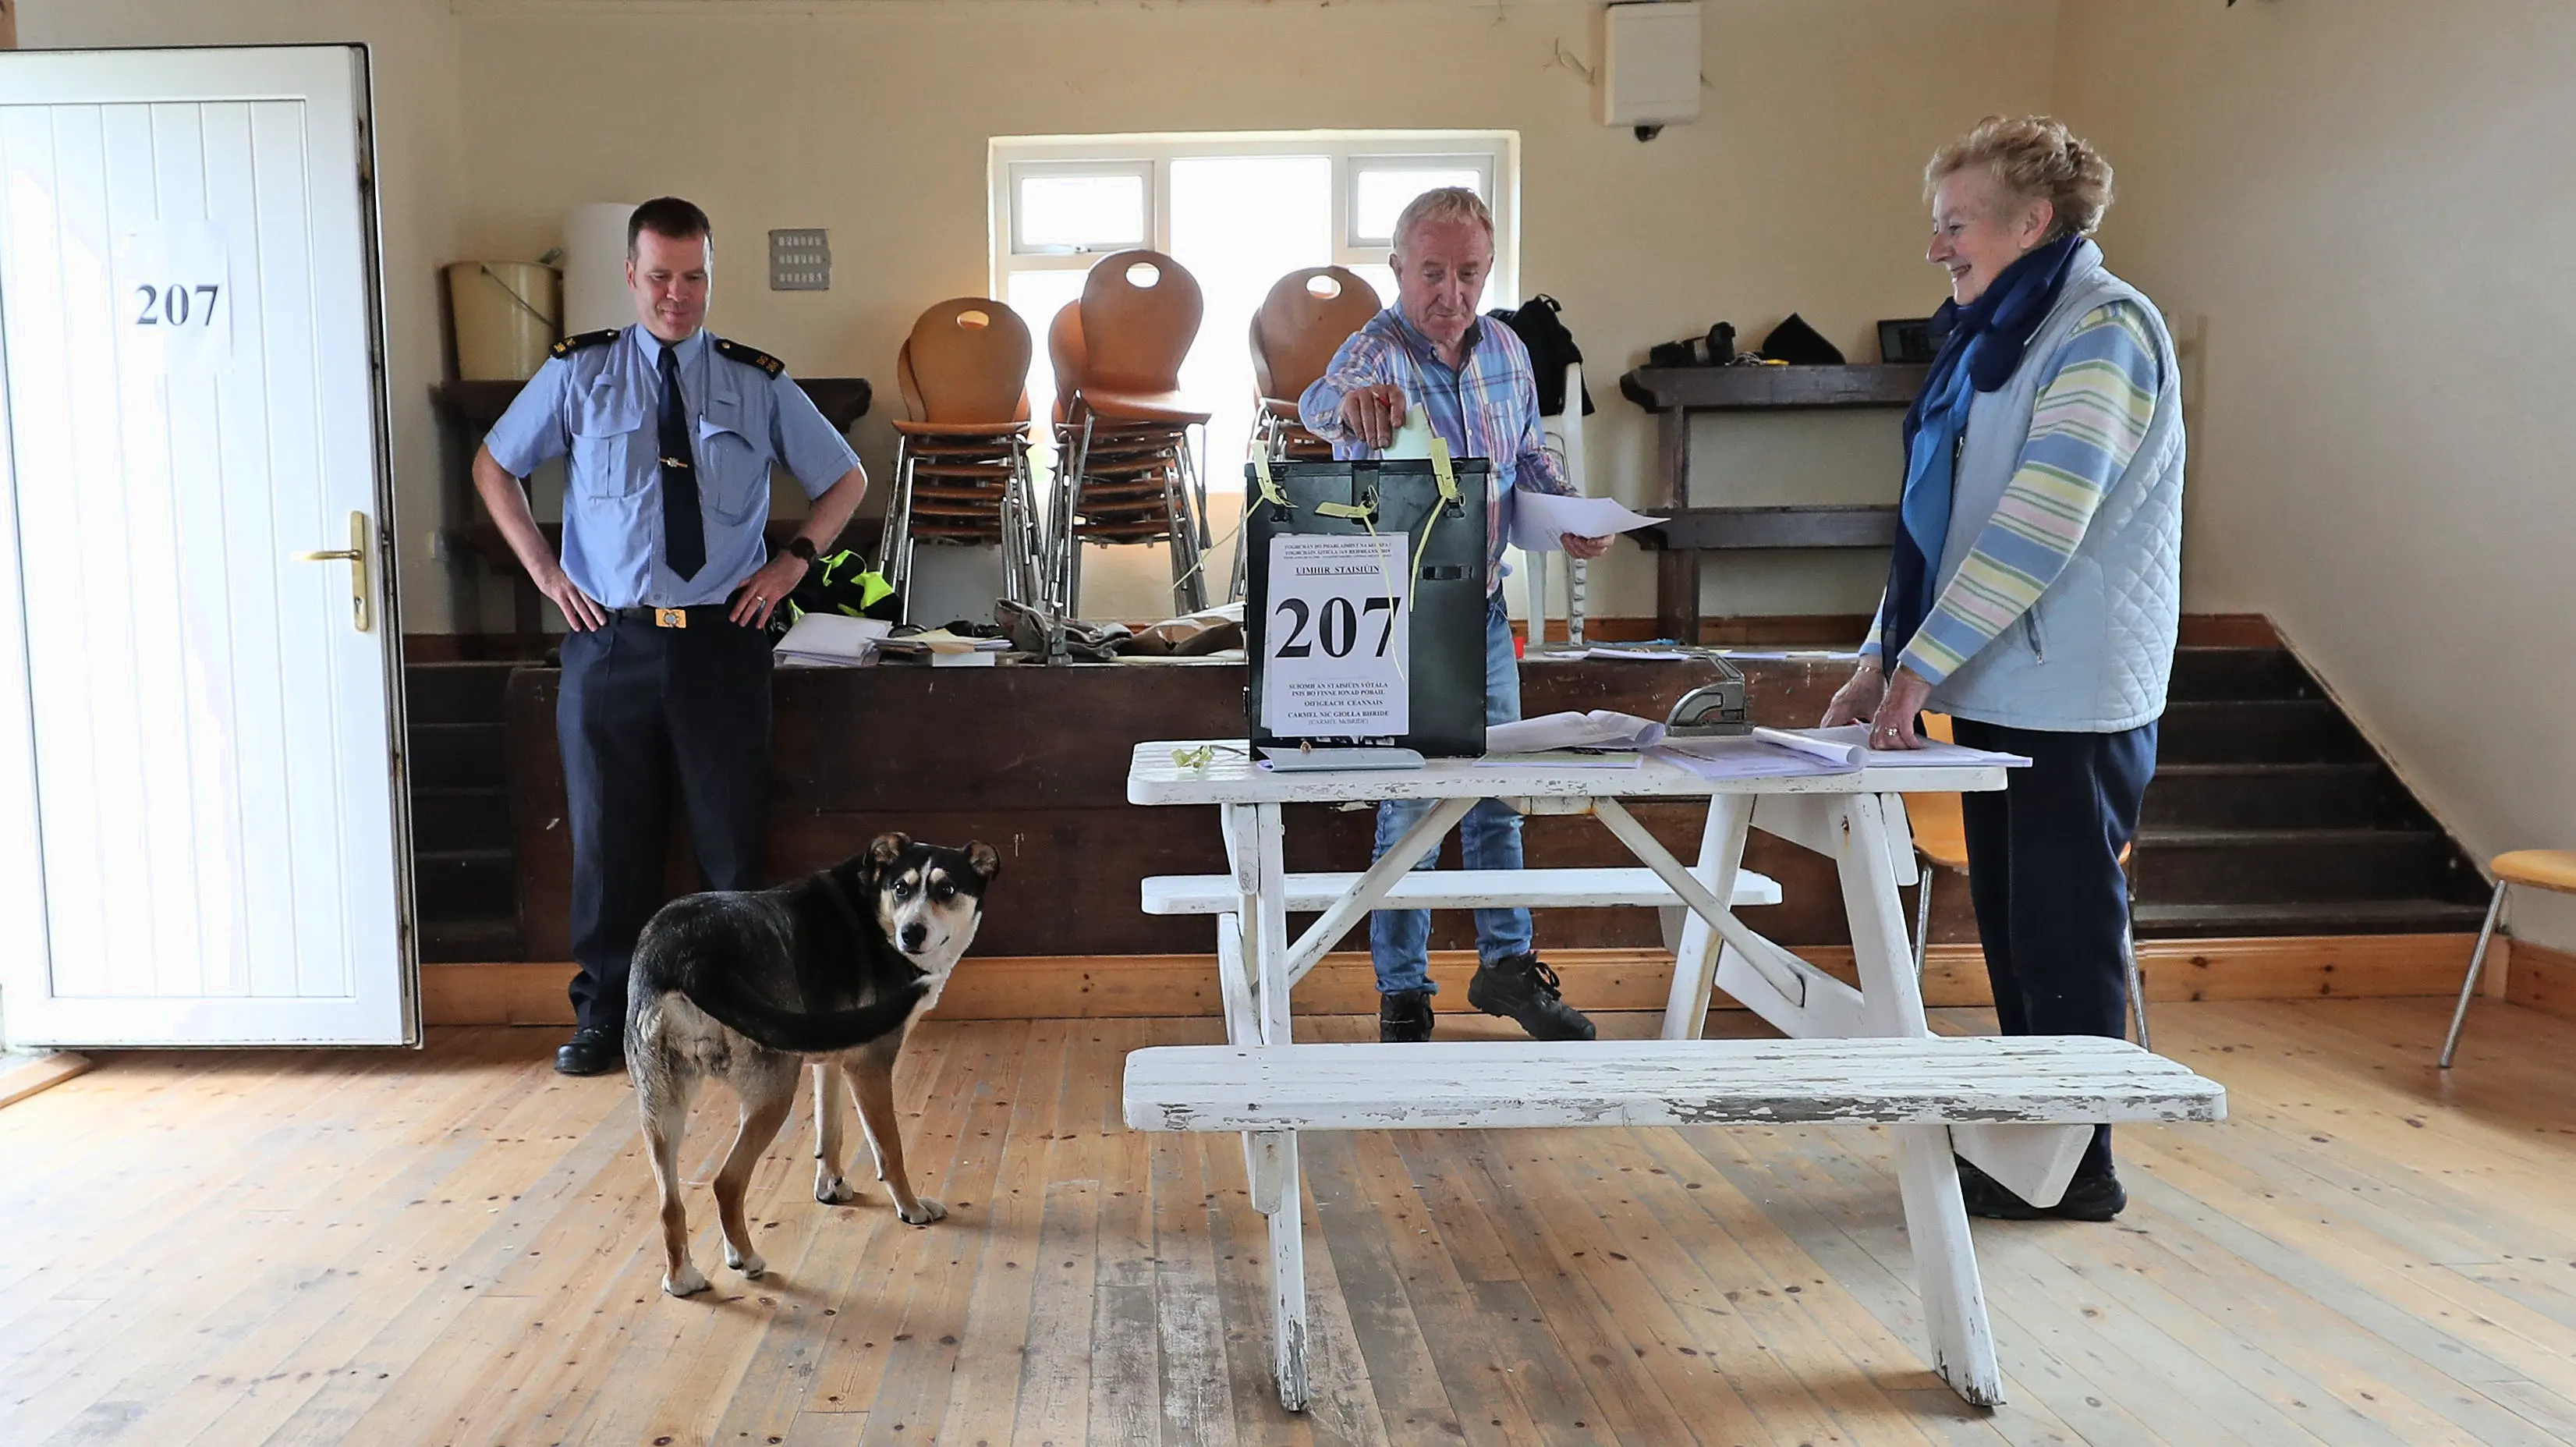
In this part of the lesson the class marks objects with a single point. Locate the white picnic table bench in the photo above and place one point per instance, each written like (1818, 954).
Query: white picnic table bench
(2022, 1108)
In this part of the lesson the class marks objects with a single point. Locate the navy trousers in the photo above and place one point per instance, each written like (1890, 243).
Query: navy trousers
(644, 711)
(2044, 873)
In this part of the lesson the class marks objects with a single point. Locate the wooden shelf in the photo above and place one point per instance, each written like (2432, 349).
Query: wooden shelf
(1674, 393)
(1771, 389)
(1812, 526)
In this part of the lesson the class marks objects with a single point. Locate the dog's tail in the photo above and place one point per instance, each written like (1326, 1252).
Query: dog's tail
(810, 1034)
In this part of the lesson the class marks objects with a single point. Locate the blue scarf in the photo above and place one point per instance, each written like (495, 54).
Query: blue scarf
(1981, 348)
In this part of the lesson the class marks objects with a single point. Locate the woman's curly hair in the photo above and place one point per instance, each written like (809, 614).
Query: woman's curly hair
(2034, 158)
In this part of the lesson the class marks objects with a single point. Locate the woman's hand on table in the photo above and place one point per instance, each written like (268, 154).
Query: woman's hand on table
(1857, 700)
(1892, 727)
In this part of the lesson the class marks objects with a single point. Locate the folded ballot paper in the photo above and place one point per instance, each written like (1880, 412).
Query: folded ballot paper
(831, 640)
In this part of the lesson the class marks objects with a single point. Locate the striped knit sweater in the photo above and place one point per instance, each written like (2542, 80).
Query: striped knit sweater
(2087, 425)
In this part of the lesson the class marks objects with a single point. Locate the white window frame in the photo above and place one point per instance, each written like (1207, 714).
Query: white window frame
(1495, 155)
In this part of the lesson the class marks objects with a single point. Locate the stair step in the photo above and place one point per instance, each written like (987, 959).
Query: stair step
(2259, 866)
(476, 817)
(454, 884)
(469, 941)
(2279, 796)
(2320, 917)
(2210, 674)
(456, 692)
(458, 755)
(2250, 732)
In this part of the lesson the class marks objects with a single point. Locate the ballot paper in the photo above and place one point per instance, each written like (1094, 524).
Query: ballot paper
(1850, 743)
(1600, 729)
(1540, 519)
(1568, 759)
(1742, 756)
(831, 640)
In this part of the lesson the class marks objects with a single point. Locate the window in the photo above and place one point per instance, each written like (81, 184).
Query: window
(1239, 211)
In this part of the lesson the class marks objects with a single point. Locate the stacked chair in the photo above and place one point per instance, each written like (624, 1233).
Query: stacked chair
(961, 469)
(1125, 468)
(1302, 323)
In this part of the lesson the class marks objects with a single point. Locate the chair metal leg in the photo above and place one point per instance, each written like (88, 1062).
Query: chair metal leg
(1923, 871)
(2137, 984)
(2469, 985)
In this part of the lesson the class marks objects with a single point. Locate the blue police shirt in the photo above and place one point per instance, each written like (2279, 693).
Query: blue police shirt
(600, 405)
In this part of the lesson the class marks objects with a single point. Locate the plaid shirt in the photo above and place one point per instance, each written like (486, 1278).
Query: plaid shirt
(1487, 408)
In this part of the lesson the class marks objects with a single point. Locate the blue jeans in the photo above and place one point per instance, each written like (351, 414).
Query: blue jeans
(1490, 838)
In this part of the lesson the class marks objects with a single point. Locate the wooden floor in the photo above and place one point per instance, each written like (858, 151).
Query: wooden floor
(453, 1247)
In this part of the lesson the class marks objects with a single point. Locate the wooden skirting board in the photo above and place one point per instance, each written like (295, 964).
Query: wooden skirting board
(1047, 987)
(2535, 975)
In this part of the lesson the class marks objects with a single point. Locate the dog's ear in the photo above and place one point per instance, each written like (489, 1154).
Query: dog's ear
(985, 861)
(885, 849)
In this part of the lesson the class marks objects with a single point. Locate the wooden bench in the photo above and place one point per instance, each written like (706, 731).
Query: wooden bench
(1449, 889)
(1273, 1091)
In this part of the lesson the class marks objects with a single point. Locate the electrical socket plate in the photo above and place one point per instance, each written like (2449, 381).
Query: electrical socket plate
(800, 260)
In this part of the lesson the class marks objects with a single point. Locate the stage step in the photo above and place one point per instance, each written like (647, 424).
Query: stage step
(2286, 731)
(2326, 917)
(461, 884)
(475, 816)
(457, 754)
(469, 941)
(2212, 675)
(455, 692)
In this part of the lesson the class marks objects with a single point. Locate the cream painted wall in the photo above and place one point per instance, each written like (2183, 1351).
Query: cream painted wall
(2368, 202)
(419, 168)
(1797, 191)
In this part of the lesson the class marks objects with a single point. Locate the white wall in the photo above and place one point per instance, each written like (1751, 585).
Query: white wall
(2369, 202)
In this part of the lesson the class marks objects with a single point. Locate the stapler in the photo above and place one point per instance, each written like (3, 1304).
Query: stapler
(1712, 710)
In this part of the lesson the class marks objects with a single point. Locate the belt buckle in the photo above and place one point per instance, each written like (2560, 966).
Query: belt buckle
(670, 617)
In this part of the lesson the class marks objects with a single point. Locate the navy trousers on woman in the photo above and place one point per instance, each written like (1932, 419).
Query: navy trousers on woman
(645, 710)
(2044, 872)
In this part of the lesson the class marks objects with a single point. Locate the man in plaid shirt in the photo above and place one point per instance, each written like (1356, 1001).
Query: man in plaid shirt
(1472, 379)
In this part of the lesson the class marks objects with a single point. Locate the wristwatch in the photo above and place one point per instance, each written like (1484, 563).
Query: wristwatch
(802, 547)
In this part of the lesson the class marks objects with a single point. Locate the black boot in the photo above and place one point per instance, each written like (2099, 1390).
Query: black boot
(2094, 1197)
(1404, 1017)
(1523, 989)
(591, 1051)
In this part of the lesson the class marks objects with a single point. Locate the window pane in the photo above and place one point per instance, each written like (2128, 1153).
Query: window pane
(1383, 195)
(1037, 296)
(1239, 223)
(1086, 212)
(1381, 276)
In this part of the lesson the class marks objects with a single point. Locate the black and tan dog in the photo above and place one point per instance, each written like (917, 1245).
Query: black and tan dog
(743, 987)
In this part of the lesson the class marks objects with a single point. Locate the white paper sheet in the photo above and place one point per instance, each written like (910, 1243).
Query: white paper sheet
(1853, 739)
(1744, 757)
(1600, 729)
(831, 640)
(1539, 519)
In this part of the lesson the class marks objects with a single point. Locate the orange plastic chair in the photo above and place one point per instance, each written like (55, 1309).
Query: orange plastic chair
(2550, 869)
(961, 470)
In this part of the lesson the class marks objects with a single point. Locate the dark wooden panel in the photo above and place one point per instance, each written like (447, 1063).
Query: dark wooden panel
(1034, 762)
(1815, 526)
(1754, 389)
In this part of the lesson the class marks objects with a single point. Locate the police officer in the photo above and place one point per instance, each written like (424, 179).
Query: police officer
(667, 588)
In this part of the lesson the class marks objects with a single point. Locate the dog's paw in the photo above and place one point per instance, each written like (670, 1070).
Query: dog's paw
(927, 1211)
(833, 1189)
(748, 1263)
(687, 1283)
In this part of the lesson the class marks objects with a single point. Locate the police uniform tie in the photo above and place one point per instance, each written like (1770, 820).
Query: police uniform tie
(684, 531)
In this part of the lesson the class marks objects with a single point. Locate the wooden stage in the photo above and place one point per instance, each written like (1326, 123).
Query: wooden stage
(453, 1247)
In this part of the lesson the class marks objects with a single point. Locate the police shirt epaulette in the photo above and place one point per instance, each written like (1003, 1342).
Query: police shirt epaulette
(737, 352)
(585, 340)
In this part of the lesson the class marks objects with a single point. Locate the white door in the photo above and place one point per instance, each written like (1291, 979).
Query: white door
(201, 818)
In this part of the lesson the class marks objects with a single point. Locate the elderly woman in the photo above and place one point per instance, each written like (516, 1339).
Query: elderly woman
(2035, 585)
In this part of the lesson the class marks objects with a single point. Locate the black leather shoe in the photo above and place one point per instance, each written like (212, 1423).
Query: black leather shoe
(1523, 989)
(590, 1051)
(2096, 1197)
(1404, 1017)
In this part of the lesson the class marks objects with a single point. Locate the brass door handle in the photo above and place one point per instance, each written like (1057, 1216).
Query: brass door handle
(355, 555)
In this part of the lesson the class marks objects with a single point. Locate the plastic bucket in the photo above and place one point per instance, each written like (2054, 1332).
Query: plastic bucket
(507, 314)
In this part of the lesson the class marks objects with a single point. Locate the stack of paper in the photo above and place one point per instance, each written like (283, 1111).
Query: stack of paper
(942, 649)
(831, 640)
(1769, 753)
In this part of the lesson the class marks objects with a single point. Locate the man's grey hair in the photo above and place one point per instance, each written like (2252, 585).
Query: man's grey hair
(1443, 203)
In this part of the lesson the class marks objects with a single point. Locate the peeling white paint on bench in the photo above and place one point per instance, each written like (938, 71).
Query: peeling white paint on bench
(1154, 776)
(1500, 1085)
(1166, 894)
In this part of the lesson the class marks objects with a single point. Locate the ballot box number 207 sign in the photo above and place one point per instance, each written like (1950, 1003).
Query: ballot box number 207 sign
(1334, 642)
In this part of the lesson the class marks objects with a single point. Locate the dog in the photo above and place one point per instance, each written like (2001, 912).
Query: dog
(745, 987)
